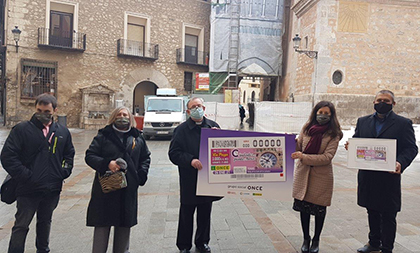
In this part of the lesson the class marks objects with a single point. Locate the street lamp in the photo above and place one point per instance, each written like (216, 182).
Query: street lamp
(16, 36)
(312, 55)
(296, 45)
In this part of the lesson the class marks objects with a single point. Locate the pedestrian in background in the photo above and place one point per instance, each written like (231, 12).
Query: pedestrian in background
(241, 113)
(118, 141)
(184, 152)
(250, 120)
(313, 179)
(380, 191)
(38, 154)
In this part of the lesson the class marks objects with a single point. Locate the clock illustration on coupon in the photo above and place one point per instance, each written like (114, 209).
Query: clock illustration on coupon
(267, 160)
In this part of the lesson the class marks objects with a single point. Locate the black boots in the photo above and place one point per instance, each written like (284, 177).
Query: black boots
(305, 245)
(315, 246)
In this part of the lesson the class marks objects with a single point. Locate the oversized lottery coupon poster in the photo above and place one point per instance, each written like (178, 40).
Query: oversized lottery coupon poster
(246, 164)
(372, 154)
(246, 159)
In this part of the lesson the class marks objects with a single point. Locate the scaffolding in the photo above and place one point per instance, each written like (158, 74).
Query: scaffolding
(245, 41)
(233, 56)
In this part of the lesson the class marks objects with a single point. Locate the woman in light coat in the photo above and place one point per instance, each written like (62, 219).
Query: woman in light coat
(313, 179)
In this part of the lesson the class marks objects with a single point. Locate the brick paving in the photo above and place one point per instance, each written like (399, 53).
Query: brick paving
(238, 225)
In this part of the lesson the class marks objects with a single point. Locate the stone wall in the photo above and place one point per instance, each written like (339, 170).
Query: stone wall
(386, 56)
(374, 43)
(305, 70)
(103, 24)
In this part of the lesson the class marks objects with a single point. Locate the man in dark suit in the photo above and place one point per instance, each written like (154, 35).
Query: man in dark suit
(184, 152)
(379, 191)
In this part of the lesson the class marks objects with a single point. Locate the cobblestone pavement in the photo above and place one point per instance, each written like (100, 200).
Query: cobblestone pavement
(238, 225)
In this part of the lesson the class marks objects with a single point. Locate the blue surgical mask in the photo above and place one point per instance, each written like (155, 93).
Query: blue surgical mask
(197, 113)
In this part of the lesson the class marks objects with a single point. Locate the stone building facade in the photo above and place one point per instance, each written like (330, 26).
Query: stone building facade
(363, 46)
(128, 48)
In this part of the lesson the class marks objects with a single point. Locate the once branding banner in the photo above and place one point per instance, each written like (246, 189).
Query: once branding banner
(246, 164)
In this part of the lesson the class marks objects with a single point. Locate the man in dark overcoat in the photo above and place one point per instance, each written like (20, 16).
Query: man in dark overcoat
(379, 191)
(38, 154)
(184, 152)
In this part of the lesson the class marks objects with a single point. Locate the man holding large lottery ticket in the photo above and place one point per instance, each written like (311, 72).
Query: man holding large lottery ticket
(184, 152)
(380, 191)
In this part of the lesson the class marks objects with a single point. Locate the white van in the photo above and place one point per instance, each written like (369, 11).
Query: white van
(163, 113)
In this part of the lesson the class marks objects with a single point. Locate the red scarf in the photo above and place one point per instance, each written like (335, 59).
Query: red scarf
(316, 132)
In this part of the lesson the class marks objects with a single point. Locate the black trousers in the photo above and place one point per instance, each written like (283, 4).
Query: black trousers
(383, 227)
(43, 204)
(185, 225)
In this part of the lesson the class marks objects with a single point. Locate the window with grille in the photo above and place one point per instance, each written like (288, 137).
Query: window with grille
(38, 77)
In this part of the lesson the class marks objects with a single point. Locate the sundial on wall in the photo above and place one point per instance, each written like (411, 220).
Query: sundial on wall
(353, 17)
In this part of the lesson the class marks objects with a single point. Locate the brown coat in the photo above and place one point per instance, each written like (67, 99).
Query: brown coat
(313, 178)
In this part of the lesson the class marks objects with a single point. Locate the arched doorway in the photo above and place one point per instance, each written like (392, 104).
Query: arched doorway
(142, 89)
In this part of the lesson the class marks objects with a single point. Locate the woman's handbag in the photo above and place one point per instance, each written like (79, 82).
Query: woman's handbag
(112, 181)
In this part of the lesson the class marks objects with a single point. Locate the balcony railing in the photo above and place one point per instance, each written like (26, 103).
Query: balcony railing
(137, 49)
(191, 56)
(56, 38)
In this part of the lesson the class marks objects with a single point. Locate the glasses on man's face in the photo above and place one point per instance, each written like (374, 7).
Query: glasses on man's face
(195, 107)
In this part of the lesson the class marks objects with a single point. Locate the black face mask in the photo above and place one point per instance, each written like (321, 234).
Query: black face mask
(323, 118)
(45, 118)
(122, 123)
(383, 108)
